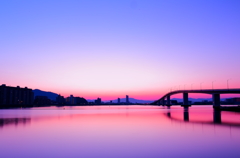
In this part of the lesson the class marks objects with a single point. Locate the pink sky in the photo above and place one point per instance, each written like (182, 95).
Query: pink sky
(110, 50)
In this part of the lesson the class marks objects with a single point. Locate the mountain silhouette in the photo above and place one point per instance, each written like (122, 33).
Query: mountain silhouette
(50, 95)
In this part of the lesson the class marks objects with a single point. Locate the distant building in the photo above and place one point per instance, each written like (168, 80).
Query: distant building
(233, 100)
(42, 100)
(205, 101)
(98, 101)
(174, 102)
(81, 101)
(15, 96)
(71, 100)
(127, 99)
(118, 100)
(60, 100)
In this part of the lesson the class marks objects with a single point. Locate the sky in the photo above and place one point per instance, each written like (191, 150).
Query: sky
(110, 49)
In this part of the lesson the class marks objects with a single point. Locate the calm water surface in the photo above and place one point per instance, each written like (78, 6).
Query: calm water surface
(119, 131)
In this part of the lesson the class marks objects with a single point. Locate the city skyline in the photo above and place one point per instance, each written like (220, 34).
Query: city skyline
(109, 49)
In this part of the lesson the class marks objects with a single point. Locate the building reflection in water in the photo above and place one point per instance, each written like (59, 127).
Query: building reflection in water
(14, 121)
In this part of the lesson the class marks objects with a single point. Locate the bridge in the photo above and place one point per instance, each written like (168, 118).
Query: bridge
(214, 92)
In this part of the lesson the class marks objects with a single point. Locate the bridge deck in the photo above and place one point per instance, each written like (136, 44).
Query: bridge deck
(205, 91)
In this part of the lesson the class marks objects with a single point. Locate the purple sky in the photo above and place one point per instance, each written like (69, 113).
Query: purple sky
(111, 48)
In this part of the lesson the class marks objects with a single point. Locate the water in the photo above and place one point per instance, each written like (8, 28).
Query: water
(119, 131)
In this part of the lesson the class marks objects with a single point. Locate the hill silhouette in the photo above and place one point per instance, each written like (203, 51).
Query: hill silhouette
(50, 95)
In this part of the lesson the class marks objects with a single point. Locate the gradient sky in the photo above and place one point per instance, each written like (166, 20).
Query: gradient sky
(108, 49)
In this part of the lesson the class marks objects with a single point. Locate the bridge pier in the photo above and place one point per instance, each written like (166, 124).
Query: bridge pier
(185, 100)
(216, 100)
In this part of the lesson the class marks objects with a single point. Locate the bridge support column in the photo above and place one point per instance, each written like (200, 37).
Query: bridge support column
(168, 100)
(216, 100)
(185, 100)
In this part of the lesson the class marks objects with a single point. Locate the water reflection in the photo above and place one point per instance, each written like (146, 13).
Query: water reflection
(13, 121)
(117, 131)
(186, 114)
(216, 115)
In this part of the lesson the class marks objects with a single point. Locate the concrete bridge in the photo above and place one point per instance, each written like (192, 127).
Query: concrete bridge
(214, 92)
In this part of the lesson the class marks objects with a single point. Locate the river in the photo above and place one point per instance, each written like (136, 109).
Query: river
(119, 132)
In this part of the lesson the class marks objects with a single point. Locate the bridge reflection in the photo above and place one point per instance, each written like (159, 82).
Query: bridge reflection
(217, 118)
(186, 115)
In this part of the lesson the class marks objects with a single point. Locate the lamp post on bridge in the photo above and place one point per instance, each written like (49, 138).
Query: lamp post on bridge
(212, 83)
(227, 82)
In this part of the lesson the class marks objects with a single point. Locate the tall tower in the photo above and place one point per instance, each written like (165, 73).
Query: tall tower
(127, 101)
